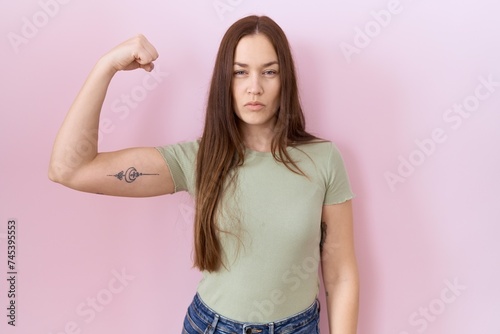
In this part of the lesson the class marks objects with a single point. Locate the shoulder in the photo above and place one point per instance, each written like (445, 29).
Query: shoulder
(183, 145)
(187, 149)
(318, 148)
(181, 159)
(323, 153)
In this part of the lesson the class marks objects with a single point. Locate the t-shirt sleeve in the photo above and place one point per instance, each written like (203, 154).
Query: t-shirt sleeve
(338, 189)
(181, 159)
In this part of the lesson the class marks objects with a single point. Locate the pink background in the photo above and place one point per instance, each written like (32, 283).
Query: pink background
(415, 239)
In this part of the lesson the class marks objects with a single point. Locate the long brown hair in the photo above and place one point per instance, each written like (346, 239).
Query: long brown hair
(221, 148)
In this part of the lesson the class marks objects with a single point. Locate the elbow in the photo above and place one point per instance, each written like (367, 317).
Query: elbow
(53, 176)
(58, 173)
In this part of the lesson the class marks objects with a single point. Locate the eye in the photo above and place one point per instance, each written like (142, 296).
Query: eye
(270, 73)
(239, 73)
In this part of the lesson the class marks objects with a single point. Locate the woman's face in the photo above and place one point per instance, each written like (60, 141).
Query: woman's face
(256, 82)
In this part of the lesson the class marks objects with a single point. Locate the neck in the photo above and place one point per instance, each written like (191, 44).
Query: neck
(257, 138)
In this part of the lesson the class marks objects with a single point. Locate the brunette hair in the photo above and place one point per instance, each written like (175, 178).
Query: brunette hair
(221, 148)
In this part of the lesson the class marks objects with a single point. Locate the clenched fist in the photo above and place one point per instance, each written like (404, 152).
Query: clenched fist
(137, 52)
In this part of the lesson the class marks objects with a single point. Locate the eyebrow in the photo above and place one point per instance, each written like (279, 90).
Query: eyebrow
(265, 65)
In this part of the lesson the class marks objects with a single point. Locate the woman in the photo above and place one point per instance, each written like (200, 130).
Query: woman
(272, 201)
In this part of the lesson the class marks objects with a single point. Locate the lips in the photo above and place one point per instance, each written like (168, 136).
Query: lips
(254, 105)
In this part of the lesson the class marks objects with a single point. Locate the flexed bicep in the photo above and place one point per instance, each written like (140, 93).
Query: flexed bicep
(133, 172)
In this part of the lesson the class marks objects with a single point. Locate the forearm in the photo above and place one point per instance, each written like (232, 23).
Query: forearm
(77, 140)
(342, 304)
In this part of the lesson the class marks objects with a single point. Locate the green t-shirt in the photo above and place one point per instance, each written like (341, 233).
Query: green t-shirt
(271, 223)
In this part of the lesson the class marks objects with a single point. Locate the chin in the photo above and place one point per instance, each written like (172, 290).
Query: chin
(257, 122)
(256, 119)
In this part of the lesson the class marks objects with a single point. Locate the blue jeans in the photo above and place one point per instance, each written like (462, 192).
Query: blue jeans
(200, 319)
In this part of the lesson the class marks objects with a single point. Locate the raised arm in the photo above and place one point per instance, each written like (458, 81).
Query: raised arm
(75, 160)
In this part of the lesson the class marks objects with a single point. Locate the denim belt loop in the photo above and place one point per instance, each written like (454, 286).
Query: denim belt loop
(213, 326)
(271, 328)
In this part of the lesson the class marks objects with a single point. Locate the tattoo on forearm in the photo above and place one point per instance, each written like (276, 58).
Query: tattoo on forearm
(323, 236)
(130, 175)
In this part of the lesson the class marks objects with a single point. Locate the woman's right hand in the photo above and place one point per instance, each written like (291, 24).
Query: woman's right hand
(136, 52)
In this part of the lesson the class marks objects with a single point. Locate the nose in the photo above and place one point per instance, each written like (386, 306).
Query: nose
(254, 85)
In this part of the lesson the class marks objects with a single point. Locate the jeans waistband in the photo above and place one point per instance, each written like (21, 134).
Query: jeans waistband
(231, 326)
